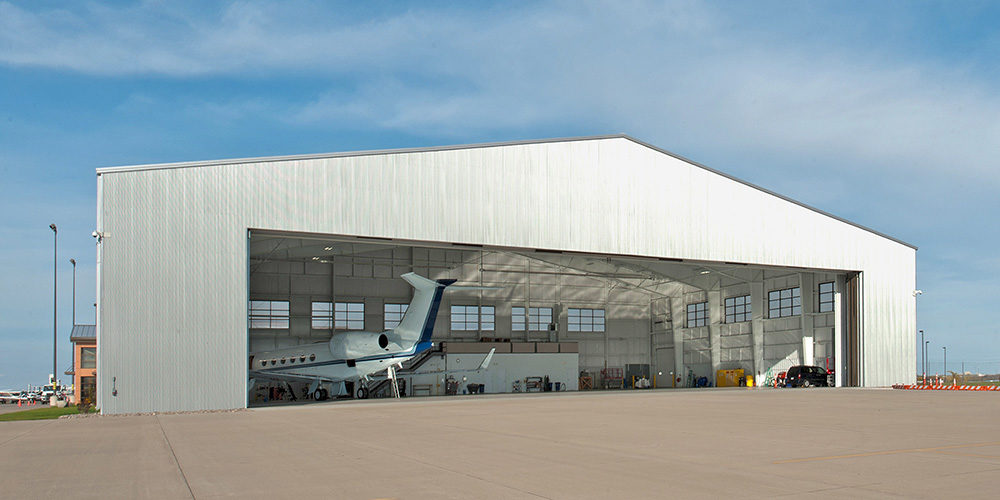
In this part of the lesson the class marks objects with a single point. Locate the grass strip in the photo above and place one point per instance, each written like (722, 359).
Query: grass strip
(39, 414)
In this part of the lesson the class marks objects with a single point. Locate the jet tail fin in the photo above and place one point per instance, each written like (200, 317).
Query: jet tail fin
(486, 361)
(417, 324)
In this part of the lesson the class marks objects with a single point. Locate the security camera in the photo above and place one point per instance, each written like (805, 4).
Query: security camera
(94, 234)
(917, 292)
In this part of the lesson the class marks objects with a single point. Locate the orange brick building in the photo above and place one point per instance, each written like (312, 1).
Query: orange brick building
(84, 338)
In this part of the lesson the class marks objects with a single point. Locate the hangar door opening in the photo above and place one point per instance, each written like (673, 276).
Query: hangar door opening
(555, 320)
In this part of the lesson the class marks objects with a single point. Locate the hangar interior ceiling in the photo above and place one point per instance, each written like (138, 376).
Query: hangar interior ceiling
(645, 301)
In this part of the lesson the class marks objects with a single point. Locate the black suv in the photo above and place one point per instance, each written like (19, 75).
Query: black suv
(806, 376)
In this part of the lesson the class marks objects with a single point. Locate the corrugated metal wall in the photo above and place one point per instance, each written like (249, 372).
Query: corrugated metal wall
(173, 270)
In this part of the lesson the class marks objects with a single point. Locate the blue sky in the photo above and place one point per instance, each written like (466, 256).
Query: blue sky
(885, 113)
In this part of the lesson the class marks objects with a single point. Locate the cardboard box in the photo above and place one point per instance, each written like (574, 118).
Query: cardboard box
(522, 347)
(547, 347)
(569, 347)
(453, 347)
(502, 347)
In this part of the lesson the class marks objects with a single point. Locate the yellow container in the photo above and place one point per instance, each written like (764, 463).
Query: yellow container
(728, 378)
(750, 382)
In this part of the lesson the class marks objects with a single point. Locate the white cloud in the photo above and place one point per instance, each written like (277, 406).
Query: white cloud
(682, 71)
(896, 139)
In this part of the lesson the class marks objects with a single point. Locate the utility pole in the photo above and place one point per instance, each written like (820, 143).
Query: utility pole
(923, 360)
(55, 283)
(945, 370)
(927, 348)
(73, 261)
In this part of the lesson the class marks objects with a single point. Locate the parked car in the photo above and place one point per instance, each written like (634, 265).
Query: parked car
(807, 376)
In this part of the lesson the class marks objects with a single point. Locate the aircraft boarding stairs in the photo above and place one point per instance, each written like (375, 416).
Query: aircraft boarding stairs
(382, 387)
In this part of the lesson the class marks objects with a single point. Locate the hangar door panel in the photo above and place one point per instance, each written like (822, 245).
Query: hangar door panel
(853, 323)
(664, 364)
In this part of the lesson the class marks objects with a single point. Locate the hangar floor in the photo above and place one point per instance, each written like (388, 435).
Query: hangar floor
(682, 443)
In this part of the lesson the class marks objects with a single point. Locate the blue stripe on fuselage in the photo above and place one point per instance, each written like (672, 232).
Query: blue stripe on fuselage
(418, 348)
(403, 354)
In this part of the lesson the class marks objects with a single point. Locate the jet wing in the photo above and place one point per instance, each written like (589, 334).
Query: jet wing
(285, 377)
(486, 361)
(482, 366)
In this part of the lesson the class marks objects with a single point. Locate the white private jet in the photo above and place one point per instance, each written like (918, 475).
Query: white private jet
(10, 397)
(358, 355)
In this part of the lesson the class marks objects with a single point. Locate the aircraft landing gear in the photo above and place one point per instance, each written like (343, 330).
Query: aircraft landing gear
(362, 392)
(320, 394)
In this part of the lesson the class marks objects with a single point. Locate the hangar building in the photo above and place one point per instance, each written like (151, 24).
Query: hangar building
(606, 254)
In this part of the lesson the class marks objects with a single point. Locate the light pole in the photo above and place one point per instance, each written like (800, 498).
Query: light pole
(926, 350)
(923, 362)
(73, 261)
(945, 370)
(55, 281)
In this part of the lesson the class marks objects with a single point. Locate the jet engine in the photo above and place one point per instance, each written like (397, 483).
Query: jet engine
(353, 345)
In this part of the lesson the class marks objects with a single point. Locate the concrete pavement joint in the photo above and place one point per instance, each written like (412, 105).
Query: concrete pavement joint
(832, 488)
(885, 452)
(971, 472)
(27, 431)
(177, 462)
(973, 455)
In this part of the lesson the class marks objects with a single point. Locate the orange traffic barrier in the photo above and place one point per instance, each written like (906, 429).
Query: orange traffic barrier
(942, 387)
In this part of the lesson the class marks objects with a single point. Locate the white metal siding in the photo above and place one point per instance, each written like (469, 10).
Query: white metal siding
(173, 274)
